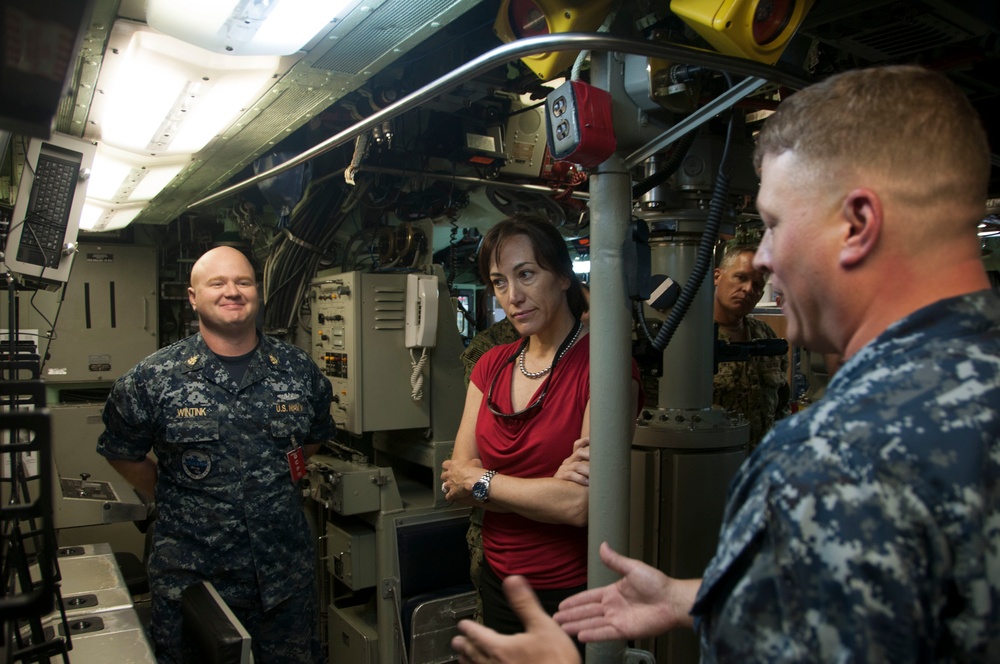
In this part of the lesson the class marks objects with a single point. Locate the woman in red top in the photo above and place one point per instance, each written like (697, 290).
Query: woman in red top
(527, 408)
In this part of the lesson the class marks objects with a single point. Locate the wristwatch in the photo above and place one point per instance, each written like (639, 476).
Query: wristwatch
(481, 489)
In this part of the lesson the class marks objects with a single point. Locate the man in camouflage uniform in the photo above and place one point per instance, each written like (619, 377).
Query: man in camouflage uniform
(758, 387)
(230, 415)
(864, 528)
(500, 333)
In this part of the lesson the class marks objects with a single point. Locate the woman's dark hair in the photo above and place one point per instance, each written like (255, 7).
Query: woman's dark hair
(550, 252)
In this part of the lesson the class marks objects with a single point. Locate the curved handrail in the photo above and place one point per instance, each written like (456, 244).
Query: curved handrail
(566, 41)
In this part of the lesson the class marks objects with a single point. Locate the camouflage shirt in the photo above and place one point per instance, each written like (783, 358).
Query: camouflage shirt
(500, 333)
(866, 528)
(757, 388)
(227, 508)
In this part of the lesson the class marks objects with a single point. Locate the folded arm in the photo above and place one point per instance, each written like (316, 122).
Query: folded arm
(545, 499)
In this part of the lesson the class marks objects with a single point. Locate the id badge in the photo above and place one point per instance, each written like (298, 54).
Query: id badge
(296, 464)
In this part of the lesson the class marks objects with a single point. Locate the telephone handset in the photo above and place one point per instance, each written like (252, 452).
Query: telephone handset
(421, 310)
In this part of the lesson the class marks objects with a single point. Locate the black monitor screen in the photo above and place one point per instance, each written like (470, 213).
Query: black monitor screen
(211, 628)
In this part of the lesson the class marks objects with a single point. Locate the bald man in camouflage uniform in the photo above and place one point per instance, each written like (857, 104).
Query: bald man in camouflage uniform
(865, 528)
(231, 416)
(757, 388)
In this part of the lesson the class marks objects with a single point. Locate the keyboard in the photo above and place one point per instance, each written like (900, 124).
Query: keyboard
(56, 176)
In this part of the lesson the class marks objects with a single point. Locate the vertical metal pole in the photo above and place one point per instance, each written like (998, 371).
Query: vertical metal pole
(611, 410)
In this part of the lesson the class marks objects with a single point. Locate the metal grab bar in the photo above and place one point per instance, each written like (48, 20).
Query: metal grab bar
(567, 41)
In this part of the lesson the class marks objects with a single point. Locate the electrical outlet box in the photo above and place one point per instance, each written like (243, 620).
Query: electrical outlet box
(578, 124)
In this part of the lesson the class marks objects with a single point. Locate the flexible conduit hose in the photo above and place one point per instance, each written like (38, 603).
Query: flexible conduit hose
(706, 250)
(673, 162)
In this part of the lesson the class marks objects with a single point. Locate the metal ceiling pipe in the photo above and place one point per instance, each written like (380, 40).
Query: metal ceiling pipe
(468, 179)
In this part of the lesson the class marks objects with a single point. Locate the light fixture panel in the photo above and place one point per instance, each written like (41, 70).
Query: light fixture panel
(159, 96)
(241, 27)
(101, 216)
(123, 177)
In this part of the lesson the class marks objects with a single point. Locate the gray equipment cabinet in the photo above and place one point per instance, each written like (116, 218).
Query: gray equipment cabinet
(108, 318)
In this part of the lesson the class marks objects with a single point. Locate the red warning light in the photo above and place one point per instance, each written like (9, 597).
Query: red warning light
(770, 18)
(527, 19)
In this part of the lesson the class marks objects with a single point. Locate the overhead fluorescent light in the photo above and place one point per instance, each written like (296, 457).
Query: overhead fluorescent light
(120, 177)
(244, 27)
(161, 96)
(103, 216)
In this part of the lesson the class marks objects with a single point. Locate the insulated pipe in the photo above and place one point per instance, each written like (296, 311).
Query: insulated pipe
(567, 41)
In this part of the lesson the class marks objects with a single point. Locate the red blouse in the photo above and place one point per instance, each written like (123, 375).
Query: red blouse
(550, 555)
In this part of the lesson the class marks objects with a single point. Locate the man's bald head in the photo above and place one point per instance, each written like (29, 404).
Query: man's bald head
(224, 294)
(213, 257)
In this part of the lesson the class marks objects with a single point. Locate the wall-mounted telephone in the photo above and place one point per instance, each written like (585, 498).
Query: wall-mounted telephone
(421, 310)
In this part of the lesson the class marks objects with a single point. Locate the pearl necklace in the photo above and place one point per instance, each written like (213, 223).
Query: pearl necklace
(566, 345)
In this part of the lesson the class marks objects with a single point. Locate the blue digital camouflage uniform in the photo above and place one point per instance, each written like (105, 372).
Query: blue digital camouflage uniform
(757, 388)
(866, 528)
(227, 508)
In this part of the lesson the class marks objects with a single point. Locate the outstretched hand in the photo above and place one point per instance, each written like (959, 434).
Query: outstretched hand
(543, 640)
(644, 603)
